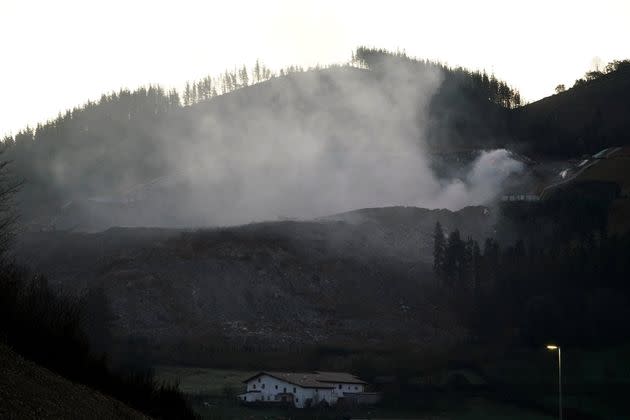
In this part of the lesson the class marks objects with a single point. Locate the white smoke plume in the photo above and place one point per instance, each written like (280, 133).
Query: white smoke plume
(314, 144)
(482, 183)
(303, 146)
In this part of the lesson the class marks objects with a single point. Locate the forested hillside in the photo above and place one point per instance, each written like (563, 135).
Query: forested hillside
(107, 150)
(584, 119)
(201, 149)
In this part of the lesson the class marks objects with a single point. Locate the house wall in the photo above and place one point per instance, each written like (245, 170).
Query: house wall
(340, 389)
(249, 397)
(318, 395)
(270, 387)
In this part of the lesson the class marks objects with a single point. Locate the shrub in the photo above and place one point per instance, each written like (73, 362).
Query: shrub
(48, 328)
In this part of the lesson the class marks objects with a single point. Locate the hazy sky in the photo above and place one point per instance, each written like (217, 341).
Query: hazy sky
(57, 54)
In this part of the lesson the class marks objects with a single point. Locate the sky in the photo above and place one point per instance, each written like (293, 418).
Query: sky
(58, 54)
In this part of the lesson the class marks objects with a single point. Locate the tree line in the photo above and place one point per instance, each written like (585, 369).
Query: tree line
(574, 291)
(613, 66)
(477, 83)
(591, 75)
(229, 81)
(110, 145)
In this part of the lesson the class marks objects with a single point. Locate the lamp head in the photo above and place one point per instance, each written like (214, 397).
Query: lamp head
(552, 347)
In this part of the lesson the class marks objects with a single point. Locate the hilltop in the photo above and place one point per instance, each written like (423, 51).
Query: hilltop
(332, 133)
(584, 119)
(236, 152)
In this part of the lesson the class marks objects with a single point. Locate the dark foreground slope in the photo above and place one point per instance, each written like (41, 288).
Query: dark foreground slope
(29, 391)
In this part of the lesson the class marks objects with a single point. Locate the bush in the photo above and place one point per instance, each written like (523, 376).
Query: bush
(48, 329)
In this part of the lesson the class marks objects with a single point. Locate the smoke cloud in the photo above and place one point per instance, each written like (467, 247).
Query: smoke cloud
(303, 146)
(318, 143)
(482, 183)
(310, 145)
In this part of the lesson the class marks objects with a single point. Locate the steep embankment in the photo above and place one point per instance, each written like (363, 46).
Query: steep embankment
(29, 391)
(359, 274)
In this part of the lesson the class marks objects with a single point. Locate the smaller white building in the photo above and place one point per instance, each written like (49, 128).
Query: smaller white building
(303, 389)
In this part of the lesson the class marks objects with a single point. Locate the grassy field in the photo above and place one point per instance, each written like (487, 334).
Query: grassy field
(200, 381)
(208, 386)
(595, 386)
(469, 409)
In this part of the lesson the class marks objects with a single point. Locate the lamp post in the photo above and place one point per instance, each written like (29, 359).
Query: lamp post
(554, 347)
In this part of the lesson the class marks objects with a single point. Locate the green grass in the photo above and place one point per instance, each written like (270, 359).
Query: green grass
(204, 381)
(208, 386)
(479, 408)
(445, 409)
(595, 381)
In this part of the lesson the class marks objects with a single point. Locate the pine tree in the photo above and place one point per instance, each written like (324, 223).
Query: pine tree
(173, 98)
(201, 91)
(244, 78)
(476, 270)
(438, 251)
(257, 76)
(454, 256)
(187, 94)
(208, 87)
(491, 262)
(466, 271)
(193, 96)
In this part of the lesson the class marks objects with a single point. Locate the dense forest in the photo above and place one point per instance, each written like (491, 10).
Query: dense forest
(107, 147)
(554, 285)
(583, 119)
(468, 83)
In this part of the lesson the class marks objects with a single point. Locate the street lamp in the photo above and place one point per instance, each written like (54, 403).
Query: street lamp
(554, 347)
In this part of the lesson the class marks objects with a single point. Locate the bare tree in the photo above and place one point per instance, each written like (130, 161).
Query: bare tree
(8, 217)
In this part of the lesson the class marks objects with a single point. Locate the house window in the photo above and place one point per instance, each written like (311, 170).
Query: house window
(276, 386)
(254, 386)
(263, 386)
(294, 391)
(285, 389)
(339, 386)
(356, 387)
(297, 400)
(258, 379)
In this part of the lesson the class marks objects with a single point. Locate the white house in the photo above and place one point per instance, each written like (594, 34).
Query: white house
(304, 389)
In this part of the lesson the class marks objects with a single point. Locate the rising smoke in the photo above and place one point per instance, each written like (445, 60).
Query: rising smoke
(303, 146)
(319, 143)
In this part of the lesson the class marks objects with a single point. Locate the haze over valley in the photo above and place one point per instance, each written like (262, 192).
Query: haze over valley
(420, 227)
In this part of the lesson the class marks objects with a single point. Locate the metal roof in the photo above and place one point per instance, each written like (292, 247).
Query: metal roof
(311, 379)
